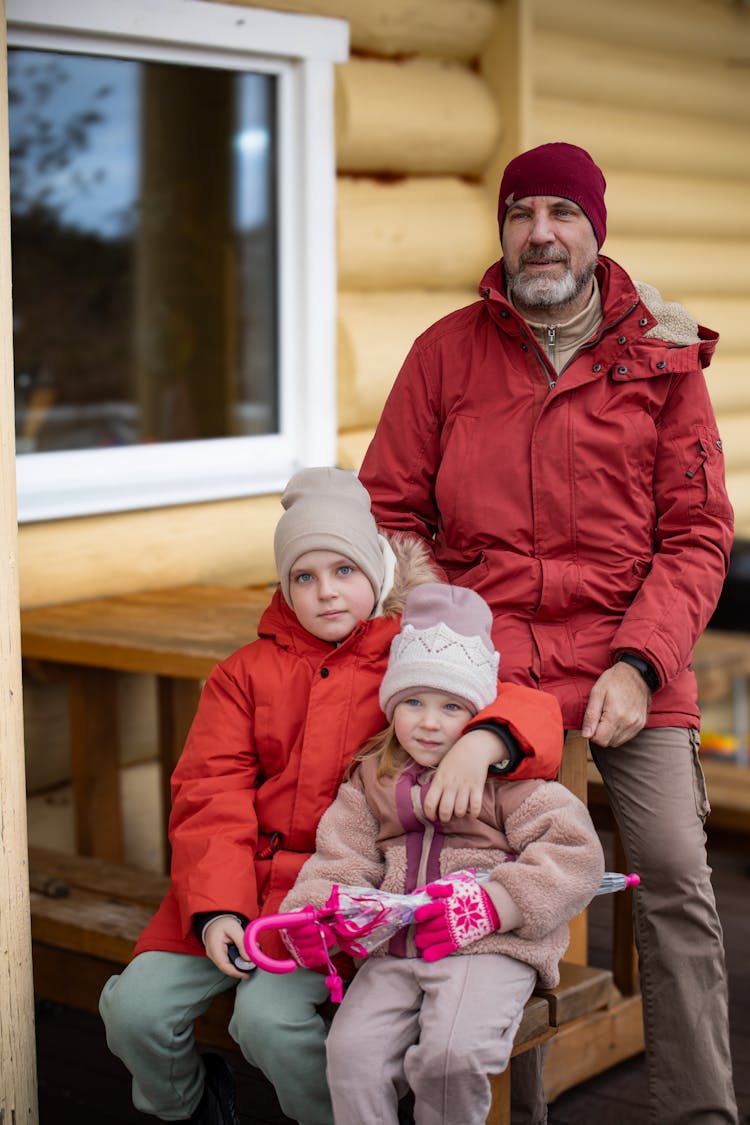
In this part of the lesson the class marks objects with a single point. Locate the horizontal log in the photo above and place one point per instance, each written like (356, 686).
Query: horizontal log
(664, 204)
(228, 542)
(729, 385)
(436, 233)
(738, 486)
(708, 31)
(375, 331)
(726, 315)
(636, 76)
(413, 116)
(447, 28)
(735, 430)
(685, 266)
(644, 140)
(352, 447)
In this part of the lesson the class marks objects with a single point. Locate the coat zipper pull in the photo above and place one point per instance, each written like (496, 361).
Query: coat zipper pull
(551, 344)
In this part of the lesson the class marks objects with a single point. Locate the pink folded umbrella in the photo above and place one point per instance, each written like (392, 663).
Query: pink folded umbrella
(362, 918)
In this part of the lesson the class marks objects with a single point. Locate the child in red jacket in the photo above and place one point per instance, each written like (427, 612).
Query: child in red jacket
(276, 727)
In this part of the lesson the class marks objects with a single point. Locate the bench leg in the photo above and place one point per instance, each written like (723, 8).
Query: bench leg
(177, 701)
(500, 1106)
(624, 954)
(95, 763)
(573, 775)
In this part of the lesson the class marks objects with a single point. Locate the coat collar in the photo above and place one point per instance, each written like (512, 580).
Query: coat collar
(280, 624)
(637, 311)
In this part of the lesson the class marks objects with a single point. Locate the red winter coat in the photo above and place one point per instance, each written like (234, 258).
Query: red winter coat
(276, 727)
(595, 524)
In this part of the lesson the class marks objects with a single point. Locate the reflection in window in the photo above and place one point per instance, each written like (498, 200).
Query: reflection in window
(144, 239)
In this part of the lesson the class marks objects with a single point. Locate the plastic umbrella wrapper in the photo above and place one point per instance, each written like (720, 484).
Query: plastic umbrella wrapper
(363, 918)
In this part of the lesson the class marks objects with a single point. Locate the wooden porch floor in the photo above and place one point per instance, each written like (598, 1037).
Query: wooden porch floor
(79, 1081)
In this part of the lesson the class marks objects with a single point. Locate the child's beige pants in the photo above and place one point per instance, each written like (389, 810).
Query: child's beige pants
(438, 1028)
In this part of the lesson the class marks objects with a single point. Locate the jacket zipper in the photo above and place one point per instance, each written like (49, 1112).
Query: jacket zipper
(551, 346)
(551, 383)
(552, 342)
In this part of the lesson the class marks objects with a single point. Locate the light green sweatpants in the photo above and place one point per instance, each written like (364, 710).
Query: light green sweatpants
(149, 1011)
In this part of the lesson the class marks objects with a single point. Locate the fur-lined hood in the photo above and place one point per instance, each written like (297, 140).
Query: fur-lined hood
(413, 568)
(675, 323)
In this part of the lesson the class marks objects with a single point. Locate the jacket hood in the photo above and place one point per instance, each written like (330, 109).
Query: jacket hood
(674, 323)
(413, 567)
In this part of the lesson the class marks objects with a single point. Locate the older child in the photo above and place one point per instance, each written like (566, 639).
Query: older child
(415, 1015)
(275, 730)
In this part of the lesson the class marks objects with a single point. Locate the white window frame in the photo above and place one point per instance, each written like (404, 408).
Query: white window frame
(301, 51)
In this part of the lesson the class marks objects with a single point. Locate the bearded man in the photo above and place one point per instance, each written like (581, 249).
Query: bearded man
(555, 446)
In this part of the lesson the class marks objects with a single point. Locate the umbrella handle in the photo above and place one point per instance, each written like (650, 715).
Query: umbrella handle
(275, 922)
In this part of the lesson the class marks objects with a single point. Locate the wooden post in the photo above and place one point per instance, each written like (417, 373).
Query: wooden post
(18, 1100)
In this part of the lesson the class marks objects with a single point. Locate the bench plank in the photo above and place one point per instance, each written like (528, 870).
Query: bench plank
(112, 880)
(582, 989)
(87, 923)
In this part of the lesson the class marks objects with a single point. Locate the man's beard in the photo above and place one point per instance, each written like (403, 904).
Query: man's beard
(548, 292)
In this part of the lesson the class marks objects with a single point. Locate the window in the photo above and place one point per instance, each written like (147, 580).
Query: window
(172, 225)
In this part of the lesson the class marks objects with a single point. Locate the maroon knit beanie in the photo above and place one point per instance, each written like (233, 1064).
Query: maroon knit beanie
(556, 169)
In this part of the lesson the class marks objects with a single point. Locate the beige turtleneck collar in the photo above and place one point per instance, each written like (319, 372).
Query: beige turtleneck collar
(559, 342)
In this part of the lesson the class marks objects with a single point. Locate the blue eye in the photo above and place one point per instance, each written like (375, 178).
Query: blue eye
(345, 570)
(302, 578)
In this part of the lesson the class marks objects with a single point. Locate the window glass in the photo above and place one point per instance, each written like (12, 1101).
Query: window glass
(144, 240)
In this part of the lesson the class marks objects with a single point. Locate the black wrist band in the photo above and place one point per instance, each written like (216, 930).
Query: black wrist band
(642, 666)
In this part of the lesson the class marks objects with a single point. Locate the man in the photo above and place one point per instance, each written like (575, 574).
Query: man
(556, 446)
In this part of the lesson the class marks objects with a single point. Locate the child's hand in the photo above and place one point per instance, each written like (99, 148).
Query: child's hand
(309, 944)
(460, 915)
(219, 935)
(458, 784)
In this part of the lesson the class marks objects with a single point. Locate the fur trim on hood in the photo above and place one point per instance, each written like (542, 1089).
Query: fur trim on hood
(413, 568)
(676, 325)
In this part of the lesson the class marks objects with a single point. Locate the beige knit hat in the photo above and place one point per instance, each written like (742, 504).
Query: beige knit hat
(327, 510)
(445, 644)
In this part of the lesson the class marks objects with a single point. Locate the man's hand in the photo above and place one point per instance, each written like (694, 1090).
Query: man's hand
(617, 707)
(458, 784)
(220, 934)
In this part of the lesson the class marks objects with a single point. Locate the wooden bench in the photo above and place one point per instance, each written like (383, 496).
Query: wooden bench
(86, 915)
(176, 635)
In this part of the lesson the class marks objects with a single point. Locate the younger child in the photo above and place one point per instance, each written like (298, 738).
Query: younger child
(276, 728)
(415, 1016)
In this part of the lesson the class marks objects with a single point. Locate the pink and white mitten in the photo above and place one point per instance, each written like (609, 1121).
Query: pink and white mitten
(461, 913)
(309, 944)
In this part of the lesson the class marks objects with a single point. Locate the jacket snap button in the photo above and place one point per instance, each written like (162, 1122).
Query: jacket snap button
(621, 339)
(524, 347)
(662, 364)
(622, 370)
(643, 322)
(324, 672)
(504, 314)
(597, 367)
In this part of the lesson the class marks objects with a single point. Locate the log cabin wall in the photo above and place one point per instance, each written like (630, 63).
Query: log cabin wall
(437, 95)
(660, 94)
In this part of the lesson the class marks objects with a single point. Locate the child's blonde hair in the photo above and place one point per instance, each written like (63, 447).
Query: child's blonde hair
(386, 747)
